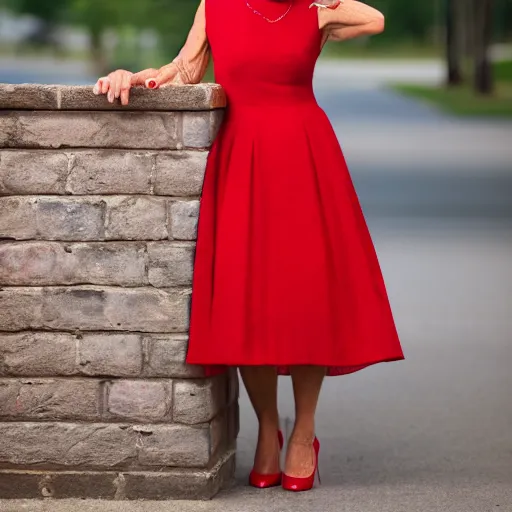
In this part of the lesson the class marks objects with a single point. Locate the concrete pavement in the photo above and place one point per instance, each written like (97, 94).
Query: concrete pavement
(381, 498)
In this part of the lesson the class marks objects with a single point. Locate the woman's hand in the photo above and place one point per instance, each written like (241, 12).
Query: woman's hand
(119, 83)
(116, 85)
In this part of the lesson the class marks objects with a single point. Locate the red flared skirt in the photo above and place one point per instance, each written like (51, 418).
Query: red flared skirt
(285, 269)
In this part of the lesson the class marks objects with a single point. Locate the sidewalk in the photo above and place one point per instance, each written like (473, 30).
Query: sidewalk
(385, 498)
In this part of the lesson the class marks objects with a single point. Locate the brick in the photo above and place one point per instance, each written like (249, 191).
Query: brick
(28, 96)
(175, 446)
(198, 401)
(136, 218)
(182, 484)
(39, 354)
(165, 357)
(55, 263)
(70, 219)
(219, 429)
(33, 172)
(124, 130)
(46, 399)
(169, 264)
(233, 428)
(172, 484)
(51, 444)
(26, 484)
(91, 308)
(7, 128)
(51, 218)
(139, 400)
(110, 172)
(184, 218)
(113, 355)
(20, 308)
(180, 173)
(216, 120)
(197, 131)
(18, 219)
(178, 97)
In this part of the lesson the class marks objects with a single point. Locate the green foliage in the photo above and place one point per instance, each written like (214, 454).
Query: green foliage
(503, 19)
(48, 11)
(172, 19)
(408, 23)
(408, 20)
(96, 15)
(503, 71)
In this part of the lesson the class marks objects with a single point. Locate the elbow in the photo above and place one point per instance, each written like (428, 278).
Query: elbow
(377, 25)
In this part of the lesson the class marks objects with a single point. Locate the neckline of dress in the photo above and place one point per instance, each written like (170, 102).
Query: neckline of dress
(260, 14)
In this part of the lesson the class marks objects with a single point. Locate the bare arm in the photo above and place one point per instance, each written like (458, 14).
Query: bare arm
(189, 67)
(350, 19)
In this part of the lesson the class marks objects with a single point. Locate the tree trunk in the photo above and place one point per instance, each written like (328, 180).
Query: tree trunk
(453, 46)
(99, 61)
(483, 80)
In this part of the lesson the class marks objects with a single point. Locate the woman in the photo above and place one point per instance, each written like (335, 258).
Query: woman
(286, 278)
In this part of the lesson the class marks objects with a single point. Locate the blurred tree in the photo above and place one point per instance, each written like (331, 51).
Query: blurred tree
(406, 22)
(482, 39)
(406, 19)
(96, 16)
(502, 22)
(454, 53)
(172, 19)
(49, 13)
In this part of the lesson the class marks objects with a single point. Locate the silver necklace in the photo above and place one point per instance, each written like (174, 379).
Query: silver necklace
(268, 19)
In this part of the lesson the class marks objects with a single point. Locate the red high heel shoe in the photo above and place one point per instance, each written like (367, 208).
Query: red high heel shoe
(263, 481)
(296, 484)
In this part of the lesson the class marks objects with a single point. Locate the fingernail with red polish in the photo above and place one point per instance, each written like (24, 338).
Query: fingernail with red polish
(151, 84)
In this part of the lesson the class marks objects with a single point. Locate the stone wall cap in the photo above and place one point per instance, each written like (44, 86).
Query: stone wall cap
(60, 97)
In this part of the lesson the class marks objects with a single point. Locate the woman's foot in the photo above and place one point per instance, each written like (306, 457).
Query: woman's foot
(268, 451)
(300, 456)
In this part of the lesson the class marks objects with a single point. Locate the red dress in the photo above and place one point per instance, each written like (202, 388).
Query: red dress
(285, 269)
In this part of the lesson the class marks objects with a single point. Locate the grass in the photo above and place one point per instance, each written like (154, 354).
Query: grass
(463, 101)
(503, 71)
(357, 50)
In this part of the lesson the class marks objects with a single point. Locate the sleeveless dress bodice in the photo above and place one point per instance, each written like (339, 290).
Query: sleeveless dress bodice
(264, 64)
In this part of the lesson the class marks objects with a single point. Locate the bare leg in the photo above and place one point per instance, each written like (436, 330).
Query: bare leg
(307, 382)
(261, 385)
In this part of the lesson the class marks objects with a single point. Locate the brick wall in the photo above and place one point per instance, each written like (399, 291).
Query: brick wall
(98, 214)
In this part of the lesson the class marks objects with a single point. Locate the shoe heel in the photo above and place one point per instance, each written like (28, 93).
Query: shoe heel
(316, 446)
(318, 475)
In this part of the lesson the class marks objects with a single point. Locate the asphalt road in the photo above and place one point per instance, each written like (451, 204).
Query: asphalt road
(432, 433)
